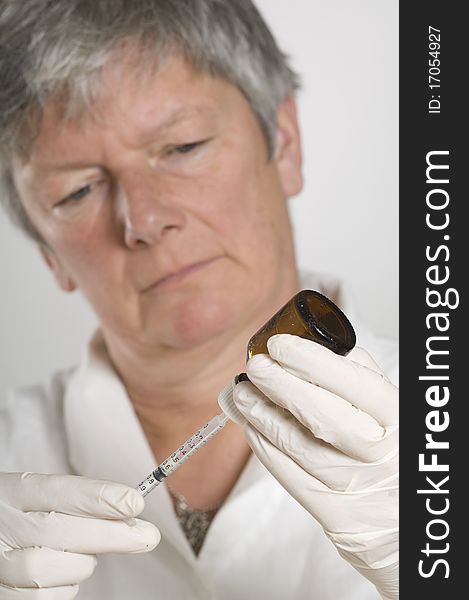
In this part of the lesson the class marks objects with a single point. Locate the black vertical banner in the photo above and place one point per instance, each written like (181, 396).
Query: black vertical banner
(434, 259)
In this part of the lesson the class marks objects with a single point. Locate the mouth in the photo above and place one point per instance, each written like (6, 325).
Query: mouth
(173, 279)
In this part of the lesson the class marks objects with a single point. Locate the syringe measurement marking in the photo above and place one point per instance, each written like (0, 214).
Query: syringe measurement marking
(177, 458)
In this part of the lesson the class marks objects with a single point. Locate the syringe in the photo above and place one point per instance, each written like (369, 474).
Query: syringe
(190, 447)
(196, 441)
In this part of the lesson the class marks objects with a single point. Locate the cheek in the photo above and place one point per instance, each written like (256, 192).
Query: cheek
(84, 239)
(239, 199)
(91, 259)
(200, 316)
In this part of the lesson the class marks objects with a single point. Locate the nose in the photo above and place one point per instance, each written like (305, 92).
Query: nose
(146, 213)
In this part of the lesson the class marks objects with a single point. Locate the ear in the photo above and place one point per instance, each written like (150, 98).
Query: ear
(65, 282)
(288, 155)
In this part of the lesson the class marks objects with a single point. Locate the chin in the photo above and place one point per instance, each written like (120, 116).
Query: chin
(198, 320)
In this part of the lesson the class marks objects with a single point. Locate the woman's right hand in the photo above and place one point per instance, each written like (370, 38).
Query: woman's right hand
(52, 527)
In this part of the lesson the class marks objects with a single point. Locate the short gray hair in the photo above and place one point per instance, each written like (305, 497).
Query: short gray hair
(58, 47)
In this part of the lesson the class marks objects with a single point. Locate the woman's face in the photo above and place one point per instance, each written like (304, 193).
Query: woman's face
(162, 207)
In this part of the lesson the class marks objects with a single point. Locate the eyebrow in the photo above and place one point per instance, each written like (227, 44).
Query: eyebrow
(183, 113)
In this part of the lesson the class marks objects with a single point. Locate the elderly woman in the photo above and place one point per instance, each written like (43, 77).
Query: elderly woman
(149, 147)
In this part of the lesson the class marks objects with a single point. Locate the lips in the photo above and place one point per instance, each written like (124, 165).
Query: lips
(175, 277)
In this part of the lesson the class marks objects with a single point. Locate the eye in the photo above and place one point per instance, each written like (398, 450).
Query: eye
(186, 148)
(78, 195)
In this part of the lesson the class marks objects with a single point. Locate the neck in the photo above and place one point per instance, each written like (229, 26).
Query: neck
(174, 391)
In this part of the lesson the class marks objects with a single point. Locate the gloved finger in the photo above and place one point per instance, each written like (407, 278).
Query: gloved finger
(43, 568)
(70, 494)
(321, 460)
(328, 416)
(348, 513)
(58, 593)
(386, 579)
(75, 534)
(362, 387)
(362, 357)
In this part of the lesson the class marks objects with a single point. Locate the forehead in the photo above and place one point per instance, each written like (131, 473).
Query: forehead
(172, 91)
(141, 103)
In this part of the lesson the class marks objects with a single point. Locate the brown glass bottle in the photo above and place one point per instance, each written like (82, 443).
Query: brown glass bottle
(309, 315)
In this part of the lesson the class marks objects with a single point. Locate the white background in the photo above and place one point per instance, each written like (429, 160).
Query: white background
(345, 220)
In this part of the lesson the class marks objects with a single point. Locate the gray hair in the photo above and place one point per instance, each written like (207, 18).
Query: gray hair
(56, 48)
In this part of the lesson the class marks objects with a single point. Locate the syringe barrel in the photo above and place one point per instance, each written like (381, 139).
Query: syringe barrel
(177, 458)
(150, 482)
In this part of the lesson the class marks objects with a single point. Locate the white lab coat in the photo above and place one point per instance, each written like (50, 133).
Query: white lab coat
(261, 545)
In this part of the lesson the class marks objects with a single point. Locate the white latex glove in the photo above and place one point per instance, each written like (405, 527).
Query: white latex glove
(52, 526)
(326, 427)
